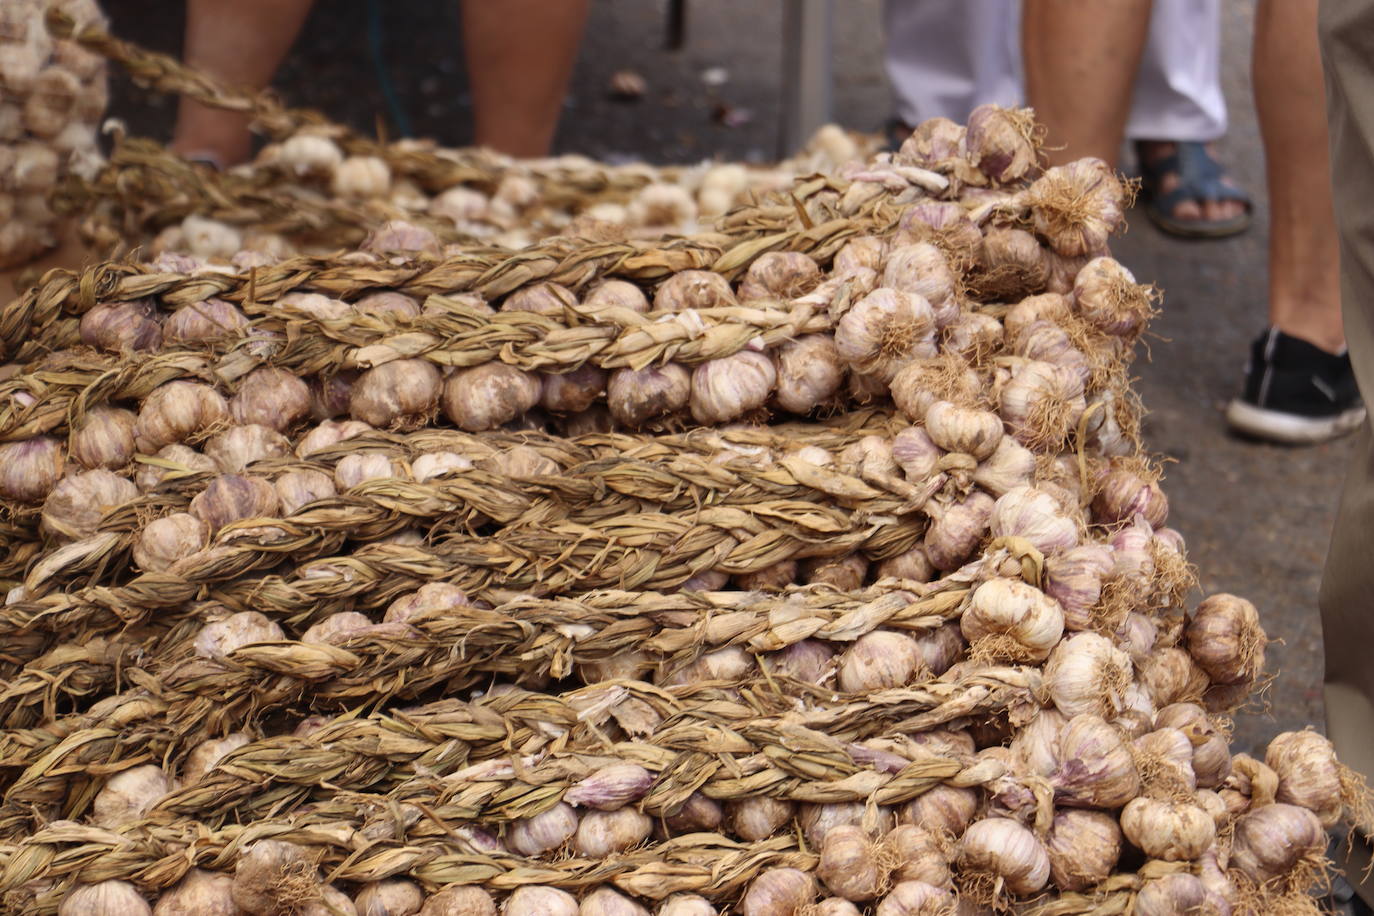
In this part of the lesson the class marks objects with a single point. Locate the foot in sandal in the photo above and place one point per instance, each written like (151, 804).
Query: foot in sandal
(1187, 192)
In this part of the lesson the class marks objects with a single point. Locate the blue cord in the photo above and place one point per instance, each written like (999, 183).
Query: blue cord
(374, 39)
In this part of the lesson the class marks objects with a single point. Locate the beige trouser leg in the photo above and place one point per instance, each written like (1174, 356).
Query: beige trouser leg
(1347, 596)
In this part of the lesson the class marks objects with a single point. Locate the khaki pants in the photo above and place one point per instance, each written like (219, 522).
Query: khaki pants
(1347, 595)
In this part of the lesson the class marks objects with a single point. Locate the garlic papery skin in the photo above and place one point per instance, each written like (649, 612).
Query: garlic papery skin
(636, 396)
(239, 446)
(1012, 261)
(128, 794)
(1094, 766)
(199, 893)
(296, 489)
(611, 787)
(940, 648)
(1011, 465)
(106, 898)
(204, 322)
(121, 327)
(1123, 493)
(846, 573)
(175, 412)
(915, 453)
(357, 468)
(818, 820)
(779, 892)
(956, 530)
(693, 289)
(486, 396)
(912, 564)
(387, 303)
(361, 177)
(1175, 831)
(1001, 142)
(76, 505)
(810, 661)
(329, 434)
(1309, 774)
(769, 579)
(616, 294)
(731, 663)
(686, 905)
(393, 897)
(916, 898)
(337, 628)
(271, 397)
(758, 817)
(1049, 343)
(541, 298)
(1165, 759)
(974, 336)
(1031, 513)
(205, 755)
(919, 383)
(149, 477)
(1051, 308)
(232, 497)
(29, 469)
(726, 389)
(1170, 895)
(921, 269)
(1000, 848)
(1087, 674)
(103, 438)
(1074, 578)
(963, 429)
(164, 541)
(1042, 404)
(438, 464)
(810, 372)
(885, 330)
(865, 252)
(1083, 847)
(1077, 206)
(1226, 640)
(543, 832)
(220, 638)
(850, 865)
(600, 833)
(432, 598)
(941, 809)
(1279, 843)
(572, 392)
(1013, 620)
(401, 394)
(698, 814)
(1171, 676)
(879, 660)
(921, 856)
(607, 902)
(1211, 751)
(779, 275)
(1107, 297)
(537, 900)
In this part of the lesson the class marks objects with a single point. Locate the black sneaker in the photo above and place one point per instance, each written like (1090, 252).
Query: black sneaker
(1295, 393)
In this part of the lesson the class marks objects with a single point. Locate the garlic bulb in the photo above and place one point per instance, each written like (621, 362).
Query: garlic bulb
(207, 753)
(317, 306)
(1031, 513)
(697, 814)
(106, 898)
(1171, 894)
(616, 294)
(941, 809)
(974, 336)
(296, 489)
(199, 893)
(393, 897)
(607, 902)
(1042, 404)
(921, 269)
(611, 787)
(1124, 492)
(361, 177)
(438, 464)
(76, 505)
(963, 429)
(29, 469)
(122, 327)
(1012, 620)
(1175, 831)
(779, 275)
(956, 531)
(1013, 261)
(934, 144)
(336, 628)
(1106, 295)
(1077, 206)
(328, 434)
(204, 322)
(879, 660)
(186, 460)
(401, 394)
(1094, 766)
(810, 371)
(232, 497)
(778, 892)
(940, 648)
(846, 573)
(271, 397)
(486, 396)
(998, 850)
(809, 661)
(1049, 343)
(731, 663)
(572, 392)
(1051, 308)
(1309, 774)
(175, 412)
(357, 468)
(388, 303)
(537, 900)
(1074, 578)
(432, 598)
(1087, 674)
(816, 821)
(686, 905)
(239, 446)
(1002, 142)
(728, 388)
(1280, 841)
(329, 395)
(600, 833)
(103, 438)
(865, 252)
(693, 289)
(1171, 676)
(458, 900)
(885, 330)
(222, 637)
(1226, 640)
(1083, 847)
(770, 578)
(636, 396)
(757, 817)
(911, 564)
(541, 298)
(920, 383)
(916, 898)
(850, 865)
(164, 541)
(398, 237)
(128, 794)
(920, 855)
(1211, 751)
(543, 832)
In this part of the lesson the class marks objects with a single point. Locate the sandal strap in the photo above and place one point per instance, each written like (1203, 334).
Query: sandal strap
(1199, 177)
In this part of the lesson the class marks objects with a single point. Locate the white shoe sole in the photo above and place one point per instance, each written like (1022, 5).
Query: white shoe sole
(1290, 429)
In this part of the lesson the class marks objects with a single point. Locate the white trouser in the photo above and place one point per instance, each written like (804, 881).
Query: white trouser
(944, 57)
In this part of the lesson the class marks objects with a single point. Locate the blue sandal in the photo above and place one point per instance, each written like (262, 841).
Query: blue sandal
(1200, 178)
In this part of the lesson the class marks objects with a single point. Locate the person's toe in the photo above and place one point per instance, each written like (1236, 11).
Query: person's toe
(1188, 210)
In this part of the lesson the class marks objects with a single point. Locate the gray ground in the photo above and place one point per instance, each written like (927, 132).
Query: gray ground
(1256, 517)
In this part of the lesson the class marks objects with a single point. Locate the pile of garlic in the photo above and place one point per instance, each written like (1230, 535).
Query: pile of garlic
(906, 630)
(52, 97)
